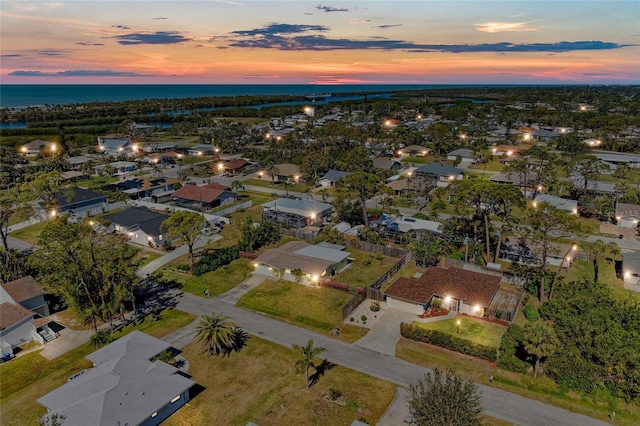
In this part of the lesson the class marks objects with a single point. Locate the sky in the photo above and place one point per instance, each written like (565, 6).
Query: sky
(318, 42)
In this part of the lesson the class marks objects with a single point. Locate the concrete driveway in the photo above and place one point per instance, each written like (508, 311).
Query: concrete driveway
(384, 335)
(232, 296)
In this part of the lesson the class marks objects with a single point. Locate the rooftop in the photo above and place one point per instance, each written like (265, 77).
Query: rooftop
(22, 289)
(11, 315)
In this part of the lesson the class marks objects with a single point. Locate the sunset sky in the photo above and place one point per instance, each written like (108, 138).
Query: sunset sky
(304, 42)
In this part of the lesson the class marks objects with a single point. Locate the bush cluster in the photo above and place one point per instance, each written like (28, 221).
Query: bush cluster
(531, 313)
(448, 341)
(512, 352)
(213, 259)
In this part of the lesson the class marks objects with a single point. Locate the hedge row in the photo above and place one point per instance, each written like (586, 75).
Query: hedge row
(448, 341)
(512, 352)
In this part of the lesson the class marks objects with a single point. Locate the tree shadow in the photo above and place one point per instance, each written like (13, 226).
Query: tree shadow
(321, 368)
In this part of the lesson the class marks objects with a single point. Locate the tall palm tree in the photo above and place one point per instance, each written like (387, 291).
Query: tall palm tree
(236, 185)
(308, 193)
(218, 335)
(540, 341)
(272, 170)
(307, 353)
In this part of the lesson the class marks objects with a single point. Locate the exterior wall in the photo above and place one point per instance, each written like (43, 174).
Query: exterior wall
(166, 411)
(325, 183)
(37, 304)
(470, 310)
(401, 305)
(19, 334)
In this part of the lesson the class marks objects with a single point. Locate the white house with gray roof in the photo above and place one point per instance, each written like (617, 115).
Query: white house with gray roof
(331, 178)
(124, 388)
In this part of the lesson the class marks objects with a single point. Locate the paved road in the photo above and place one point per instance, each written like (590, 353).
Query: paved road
(496, 403)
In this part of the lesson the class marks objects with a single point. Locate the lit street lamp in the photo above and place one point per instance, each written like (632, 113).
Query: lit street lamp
(458, 327)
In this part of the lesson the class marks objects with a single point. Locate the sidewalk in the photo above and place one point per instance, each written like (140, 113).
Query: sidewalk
(232, 296)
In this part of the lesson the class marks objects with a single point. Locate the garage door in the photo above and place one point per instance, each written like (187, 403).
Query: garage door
(399, 305)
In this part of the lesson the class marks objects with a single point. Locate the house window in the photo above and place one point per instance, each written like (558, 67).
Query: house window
(160, 237)
(175, 398)
(118, 228)
(136, 235)
(155, 413)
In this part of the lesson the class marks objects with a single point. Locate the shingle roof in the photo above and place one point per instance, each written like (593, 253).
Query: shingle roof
(411, 148)
(236, 163)
(335, 175)
(146, 219)
(288, 169)
(198, 193)
(627, 210)
(22, 289)
(472, 287)
(144, 184)
(126, 389)
(11, 315)
(439, 169)
(462, 152)
(79, 195)
(289, 257)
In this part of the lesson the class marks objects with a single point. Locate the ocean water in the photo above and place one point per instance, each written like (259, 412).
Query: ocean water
(25, 95)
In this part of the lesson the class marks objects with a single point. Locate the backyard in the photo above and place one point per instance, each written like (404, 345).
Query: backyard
(28, 377)
(365, 268)
(476, 330)
(316, 308)
(260, 384)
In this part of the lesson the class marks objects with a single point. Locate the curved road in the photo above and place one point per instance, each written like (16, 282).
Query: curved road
(496, 403)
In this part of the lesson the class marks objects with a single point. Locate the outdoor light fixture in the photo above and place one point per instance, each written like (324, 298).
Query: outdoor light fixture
(458, 327)
(476, 309)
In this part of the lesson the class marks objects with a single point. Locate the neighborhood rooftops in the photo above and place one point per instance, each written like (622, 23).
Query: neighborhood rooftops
(472, 287)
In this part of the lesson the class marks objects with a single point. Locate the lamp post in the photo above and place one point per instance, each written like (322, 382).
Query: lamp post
(458, 327)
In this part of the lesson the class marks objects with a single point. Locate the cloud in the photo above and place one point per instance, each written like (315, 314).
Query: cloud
(51, 52)
(501, 27)
(81, 43)
(280, 29)
(122, 27)
(260, 76)
(384, 27)
(77, 73)
(159, 37)
(11, 55)
(33, 6)
(159, 18)
(287, 37)
(331, 8)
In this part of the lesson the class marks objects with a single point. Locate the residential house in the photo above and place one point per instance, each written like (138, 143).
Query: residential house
(459, 290)
(140, 224)
(286, 173)
(234, 167)
(78, 161)
(386, 164)
(296, 213)
(78, 199)
(201, 150)
(117, 167)
(508, 150)
(627, 215)
(330, 178)
(115, 144)
(26, 292)
(414, 151)
(125, 387)
(38, 147)
(313, 261)
(564, 204)
(23, 315)
(631, 268)
(404, 186)
(525, 181)
(205, 197)
(438, 174)
(465, 155)
(159, 147)
(142, 187)
(519, 252)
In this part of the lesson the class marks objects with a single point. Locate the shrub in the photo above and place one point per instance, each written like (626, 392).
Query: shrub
(367, 261)
(437, 303)
(512, 351)
(166, 245)
(334, 394)
(375, 306)
(352, 319)
(363, 318)
(531, 313)
(101, 338)
(448, 341)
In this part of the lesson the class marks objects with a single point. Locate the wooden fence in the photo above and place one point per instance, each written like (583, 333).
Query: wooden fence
(377, 284)
(233, 208)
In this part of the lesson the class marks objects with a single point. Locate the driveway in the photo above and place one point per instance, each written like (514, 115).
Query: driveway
(232, 296)
(385, 333)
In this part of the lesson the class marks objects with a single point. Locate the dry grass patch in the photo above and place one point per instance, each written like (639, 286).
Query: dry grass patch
(315, 308)
(261, 384)
(365, 268)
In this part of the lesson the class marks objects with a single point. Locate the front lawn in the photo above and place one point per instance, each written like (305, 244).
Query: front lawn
(315, 308)
(28, 377)
(31, 233)
(260, 384)
(217, 282)
(476, 330)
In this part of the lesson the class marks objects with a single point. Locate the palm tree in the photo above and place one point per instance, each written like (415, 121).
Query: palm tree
(308, 193)
(324, 193)
(540, 341)
(236, 185)
(219, 335)
(272, 170)
(307, 354)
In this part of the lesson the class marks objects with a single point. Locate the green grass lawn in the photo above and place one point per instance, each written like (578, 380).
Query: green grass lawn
(144, 257)
(28, 377)
(30, 233)
(315, 308)
(266, 183)
(476, 330)
(359, 274)
(582, 269)
(97, 182)
(260, 384)
(217, 282)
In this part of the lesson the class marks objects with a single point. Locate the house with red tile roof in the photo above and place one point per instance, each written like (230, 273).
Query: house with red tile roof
(459, 290)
